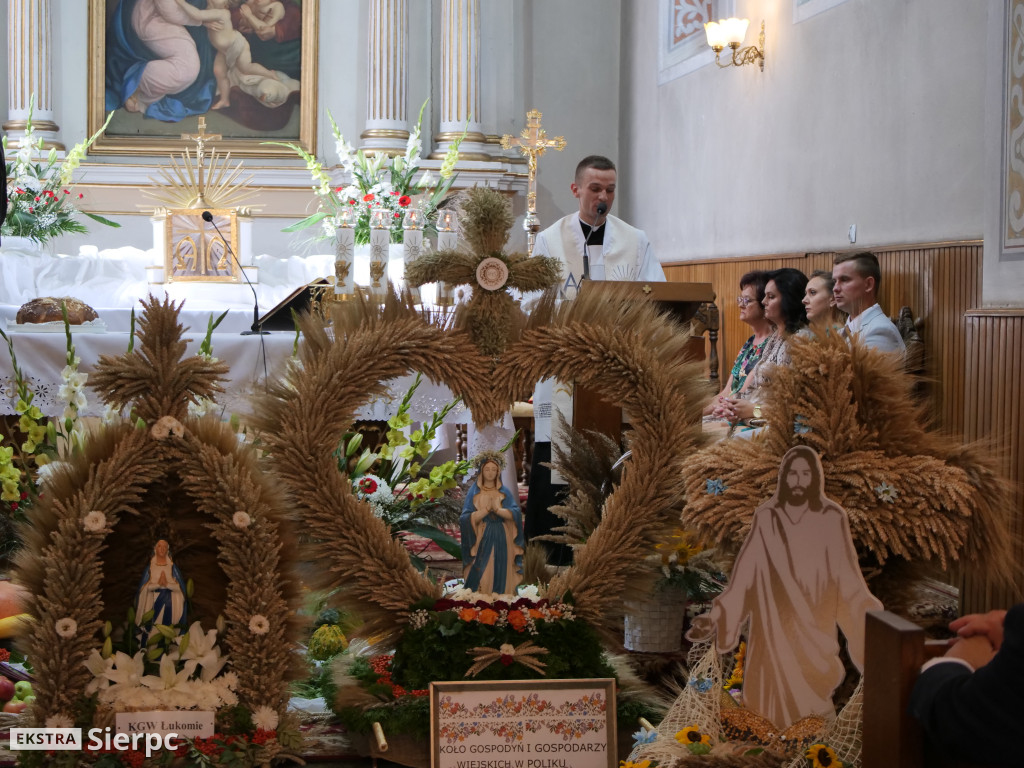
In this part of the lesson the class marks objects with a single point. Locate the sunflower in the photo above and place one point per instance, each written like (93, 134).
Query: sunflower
(822, 757)
(696, 742)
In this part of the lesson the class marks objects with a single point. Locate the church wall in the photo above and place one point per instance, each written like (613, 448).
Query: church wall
(871, 113)
(1004, 267)
(572, 72)
(561, 57)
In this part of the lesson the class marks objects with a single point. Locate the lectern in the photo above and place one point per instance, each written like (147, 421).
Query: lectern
(302, 299)
(681, 300)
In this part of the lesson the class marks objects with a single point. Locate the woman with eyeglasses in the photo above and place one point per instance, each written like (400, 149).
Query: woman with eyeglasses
(784, 309)
(752, 287)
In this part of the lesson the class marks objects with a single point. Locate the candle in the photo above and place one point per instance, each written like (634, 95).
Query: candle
(412, 239)
(447, 239)
(380, 242)
(345, 243)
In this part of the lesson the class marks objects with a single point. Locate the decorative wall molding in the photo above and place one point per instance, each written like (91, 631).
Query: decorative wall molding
(1012, 198)
(682, 45)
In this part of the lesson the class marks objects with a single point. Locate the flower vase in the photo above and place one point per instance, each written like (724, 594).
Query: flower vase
(25, 245)
(654, 624)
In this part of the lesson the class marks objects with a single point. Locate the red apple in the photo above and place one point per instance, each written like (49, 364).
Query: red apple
(15, 707)
(6, 689)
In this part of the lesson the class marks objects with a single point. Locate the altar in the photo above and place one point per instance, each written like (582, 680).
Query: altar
(113, 282)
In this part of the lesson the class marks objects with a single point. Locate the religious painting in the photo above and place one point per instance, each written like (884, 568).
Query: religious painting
(1012, 214)
(683, 45)
(805, 9)
(199, 251)
(249, 68)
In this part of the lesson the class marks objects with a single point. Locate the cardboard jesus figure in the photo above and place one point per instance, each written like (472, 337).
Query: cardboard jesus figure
(796, 579)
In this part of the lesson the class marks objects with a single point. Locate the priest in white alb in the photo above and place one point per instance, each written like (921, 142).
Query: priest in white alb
(592, 245)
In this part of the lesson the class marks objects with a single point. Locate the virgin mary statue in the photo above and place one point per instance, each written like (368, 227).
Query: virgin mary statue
(492, 532)
(161, 590)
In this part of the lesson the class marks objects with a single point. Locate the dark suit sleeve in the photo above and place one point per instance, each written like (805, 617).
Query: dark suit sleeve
(977, 717)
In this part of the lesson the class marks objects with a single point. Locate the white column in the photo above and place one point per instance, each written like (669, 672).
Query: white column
(460, 80)
(387, 114)
(29, 45)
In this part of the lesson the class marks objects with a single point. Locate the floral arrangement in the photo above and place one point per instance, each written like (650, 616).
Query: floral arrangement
(392, 479)
(465, 624)
(524, 636)
(183, 671)
(685, 564)
(39, 203)
(45, 440)
(378, 184)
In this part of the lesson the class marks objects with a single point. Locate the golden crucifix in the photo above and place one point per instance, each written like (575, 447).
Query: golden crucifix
(532, 142)
(200, 139)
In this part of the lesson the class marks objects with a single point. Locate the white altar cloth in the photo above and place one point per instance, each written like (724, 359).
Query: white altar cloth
(41, 357)
(114, 281)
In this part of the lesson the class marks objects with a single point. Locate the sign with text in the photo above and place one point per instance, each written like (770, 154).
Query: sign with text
(183, 723)
(523, 724)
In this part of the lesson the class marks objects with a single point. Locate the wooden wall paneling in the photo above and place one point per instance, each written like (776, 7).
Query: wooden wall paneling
(993, 413)
(939, 282)
(974, 359)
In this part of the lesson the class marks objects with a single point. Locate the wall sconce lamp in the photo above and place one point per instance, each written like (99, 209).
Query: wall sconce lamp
(730, 32)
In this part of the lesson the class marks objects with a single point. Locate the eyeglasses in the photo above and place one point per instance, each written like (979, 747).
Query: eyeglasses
(743, 301)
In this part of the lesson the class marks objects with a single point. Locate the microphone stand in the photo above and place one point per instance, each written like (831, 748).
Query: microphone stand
(256, 329)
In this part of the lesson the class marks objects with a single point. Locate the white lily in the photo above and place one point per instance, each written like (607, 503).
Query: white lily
(169, 678)
(99, 667)
(202, 651)
(126, 670)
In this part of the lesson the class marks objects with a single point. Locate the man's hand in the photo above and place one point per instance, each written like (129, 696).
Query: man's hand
(989, 625)
(976, 651)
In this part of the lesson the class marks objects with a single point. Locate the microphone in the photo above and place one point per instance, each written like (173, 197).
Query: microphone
(602, 209)
(255, 330)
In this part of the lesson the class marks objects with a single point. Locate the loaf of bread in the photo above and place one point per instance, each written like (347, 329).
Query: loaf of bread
(46, 309)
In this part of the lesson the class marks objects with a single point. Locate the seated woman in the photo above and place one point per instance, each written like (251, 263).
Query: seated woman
(752, 287)
(783, 307)
(492, 531)
(820, 304)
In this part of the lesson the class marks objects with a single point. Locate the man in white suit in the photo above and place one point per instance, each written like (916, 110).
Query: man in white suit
(857, 278)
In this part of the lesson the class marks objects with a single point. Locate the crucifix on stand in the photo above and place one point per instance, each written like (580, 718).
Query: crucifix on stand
(532, 142)
(200, 139)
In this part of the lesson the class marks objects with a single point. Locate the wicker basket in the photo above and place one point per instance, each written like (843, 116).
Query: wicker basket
(655, 625)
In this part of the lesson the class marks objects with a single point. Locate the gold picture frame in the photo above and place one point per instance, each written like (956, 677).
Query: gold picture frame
(256, 113)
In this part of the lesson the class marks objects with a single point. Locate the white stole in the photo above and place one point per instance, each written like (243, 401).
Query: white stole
(619, 254)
